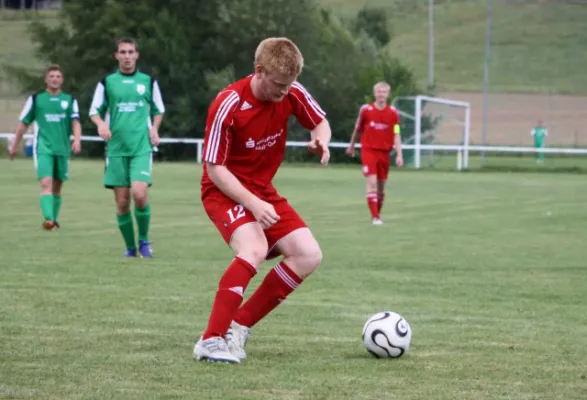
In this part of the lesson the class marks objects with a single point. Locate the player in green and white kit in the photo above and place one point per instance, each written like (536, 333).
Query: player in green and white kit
(128, 109)
(56, 116)
(539, 134)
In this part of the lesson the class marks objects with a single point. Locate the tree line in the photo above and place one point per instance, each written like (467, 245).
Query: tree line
(196, 47)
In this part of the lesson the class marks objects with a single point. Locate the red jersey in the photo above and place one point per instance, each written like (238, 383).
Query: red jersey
(378, 127)
(248, 136)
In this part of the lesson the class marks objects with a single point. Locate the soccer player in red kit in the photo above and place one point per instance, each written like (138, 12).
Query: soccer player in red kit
(244, 145)
(379, 124)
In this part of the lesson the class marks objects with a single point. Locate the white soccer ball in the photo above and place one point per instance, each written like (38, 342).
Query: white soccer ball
(387, 335)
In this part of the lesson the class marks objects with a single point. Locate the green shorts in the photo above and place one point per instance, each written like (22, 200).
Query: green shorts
(49, 166)
(121, 171)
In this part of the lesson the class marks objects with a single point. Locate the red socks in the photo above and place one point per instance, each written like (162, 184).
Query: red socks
(229, 297)
(380, 198)
(276, 286)
(373, 203)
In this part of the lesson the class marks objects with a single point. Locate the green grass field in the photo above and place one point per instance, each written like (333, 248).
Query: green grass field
(489, 269)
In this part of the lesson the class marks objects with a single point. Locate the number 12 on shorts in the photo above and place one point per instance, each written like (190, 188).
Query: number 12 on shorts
(236, 212)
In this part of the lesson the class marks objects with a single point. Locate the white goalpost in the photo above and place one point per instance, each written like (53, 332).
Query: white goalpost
(430, 124)
(466, 130)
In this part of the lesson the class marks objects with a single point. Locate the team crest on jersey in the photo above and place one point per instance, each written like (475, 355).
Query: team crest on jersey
(141, 88)
(64, 104)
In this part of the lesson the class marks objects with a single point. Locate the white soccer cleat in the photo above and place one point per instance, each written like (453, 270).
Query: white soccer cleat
(214, 349)
(237, 337)
(377, 221)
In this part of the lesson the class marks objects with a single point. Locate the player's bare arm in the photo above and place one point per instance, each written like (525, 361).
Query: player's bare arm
(76, 128)
(356, 133)
(99, 102)
(17, 138)
(351, 149)
(154, 133)
(397, 145)
(230, 185)
(103, 129)
(321, 136)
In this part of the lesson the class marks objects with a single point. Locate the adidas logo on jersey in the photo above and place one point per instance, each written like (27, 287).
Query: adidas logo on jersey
(246, 106)
(237, 289)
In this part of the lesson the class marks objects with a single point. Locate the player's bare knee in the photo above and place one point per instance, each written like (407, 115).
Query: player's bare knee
(122, 199)
(314, 258)
(141, 201)
(56, 187)
(46, 185)
(140, 192)
(123, 204)
(254, 254)
(122, 207)
(371, 184)
(381, 187)
(307, 261)
(249, 243)
(140, 198)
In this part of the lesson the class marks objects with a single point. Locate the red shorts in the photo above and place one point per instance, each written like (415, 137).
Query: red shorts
(375, 162)
(228, 216)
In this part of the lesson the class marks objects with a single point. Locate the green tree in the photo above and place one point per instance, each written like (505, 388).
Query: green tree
(196, 47)
(374, 22)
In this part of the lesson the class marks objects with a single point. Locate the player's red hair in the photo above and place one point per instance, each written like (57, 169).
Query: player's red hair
(279, 55)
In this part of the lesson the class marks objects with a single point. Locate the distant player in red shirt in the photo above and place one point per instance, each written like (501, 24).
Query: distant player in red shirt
(379, 124)
(244, 146)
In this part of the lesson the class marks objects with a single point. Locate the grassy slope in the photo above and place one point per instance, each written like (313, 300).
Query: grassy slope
(535, 48)
(16, 49)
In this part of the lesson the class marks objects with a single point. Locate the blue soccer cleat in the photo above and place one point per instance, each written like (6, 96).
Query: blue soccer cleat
(130, 253)
(145, 250)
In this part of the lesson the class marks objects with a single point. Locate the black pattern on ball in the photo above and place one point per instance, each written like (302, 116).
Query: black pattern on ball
(385, 315)
(380, 332)
(399, 331)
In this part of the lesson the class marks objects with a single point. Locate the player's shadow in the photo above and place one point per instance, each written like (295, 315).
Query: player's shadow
(361, 354)
(357, 356)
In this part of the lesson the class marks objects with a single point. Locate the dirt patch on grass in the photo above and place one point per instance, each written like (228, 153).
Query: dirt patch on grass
(510, 117)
